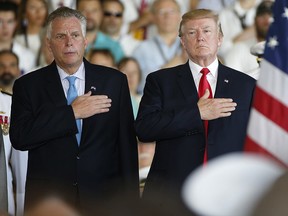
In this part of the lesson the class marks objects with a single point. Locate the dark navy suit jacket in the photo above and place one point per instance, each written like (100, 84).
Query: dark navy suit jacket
(169, 115)
(106, 160)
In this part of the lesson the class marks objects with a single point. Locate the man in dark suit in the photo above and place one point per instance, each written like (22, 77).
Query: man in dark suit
(104, 161)
(172, 113)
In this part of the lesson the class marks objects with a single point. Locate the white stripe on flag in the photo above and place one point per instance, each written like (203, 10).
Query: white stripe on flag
(268, 135)
(273, 81)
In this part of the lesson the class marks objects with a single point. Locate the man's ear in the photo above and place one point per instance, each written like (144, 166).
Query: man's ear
(85, 42)
(220, 40)
(182, 42)
(47, 44)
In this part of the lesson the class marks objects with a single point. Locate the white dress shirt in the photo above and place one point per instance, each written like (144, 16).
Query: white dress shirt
(211, 77)
(79, 82)
(27, 59)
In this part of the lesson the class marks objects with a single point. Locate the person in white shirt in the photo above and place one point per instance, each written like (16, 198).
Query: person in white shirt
(8, 19)
(138, 18)
(216, 6)
(239, 57)
(54, 4)
(16, 162)
(112, 24)
(237, 23)
(164, 49)
(9, 70)
(33, 14)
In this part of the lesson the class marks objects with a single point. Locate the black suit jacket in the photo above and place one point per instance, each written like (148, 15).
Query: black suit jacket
(169, 115)
(42, 122)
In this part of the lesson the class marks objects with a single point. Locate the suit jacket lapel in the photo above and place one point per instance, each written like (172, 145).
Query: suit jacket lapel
(92, 79)
(222, 91)
(54, 85)
(186, 83)
(223, 83)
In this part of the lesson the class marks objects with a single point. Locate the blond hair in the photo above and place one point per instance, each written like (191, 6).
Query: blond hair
(200, 14)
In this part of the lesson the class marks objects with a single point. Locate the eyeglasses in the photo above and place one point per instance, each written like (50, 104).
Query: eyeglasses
(109, 14)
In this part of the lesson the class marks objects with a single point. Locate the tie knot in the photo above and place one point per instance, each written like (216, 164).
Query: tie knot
(204, 71)
(71, 80)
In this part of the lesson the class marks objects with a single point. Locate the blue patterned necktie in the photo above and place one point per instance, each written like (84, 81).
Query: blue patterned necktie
(71, 95)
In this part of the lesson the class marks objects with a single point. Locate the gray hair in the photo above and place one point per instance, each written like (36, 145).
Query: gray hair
(65, 12)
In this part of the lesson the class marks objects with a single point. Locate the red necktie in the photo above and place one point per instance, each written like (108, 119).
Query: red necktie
(203, 85)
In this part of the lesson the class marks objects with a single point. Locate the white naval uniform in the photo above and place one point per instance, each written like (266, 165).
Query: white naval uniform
(16, 165)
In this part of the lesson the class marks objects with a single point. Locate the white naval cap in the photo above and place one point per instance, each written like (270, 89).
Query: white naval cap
(258, 48)
(230, 185)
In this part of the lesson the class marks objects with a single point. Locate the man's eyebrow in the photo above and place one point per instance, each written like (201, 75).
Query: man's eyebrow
(205, 27)
(191, 28)
(74, 32)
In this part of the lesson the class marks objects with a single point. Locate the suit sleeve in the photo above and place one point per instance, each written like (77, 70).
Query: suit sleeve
(35, 120)
(158, 121)
(128, 143)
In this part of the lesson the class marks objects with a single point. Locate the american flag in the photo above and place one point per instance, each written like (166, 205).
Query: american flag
(268, 123)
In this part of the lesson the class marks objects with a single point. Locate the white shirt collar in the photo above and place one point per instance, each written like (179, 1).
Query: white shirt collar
(80, 73)
(213, 68)
(211, 77)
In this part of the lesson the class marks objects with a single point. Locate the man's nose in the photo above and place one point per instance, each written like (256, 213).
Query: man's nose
(69, 41)
(200, 36)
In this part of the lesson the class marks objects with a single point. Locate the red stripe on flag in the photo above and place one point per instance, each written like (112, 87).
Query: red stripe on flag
(271, 108)
(251, 146)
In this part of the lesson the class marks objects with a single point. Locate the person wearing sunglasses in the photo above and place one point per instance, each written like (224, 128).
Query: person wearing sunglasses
(113, 25)
(93, 12)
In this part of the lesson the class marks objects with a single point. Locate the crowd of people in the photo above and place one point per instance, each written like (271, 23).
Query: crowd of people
(101, 98)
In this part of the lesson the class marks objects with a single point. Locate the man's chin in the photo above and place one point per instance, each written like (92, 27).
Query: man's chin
(6, 82)
(203, 52)
(6, 85)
